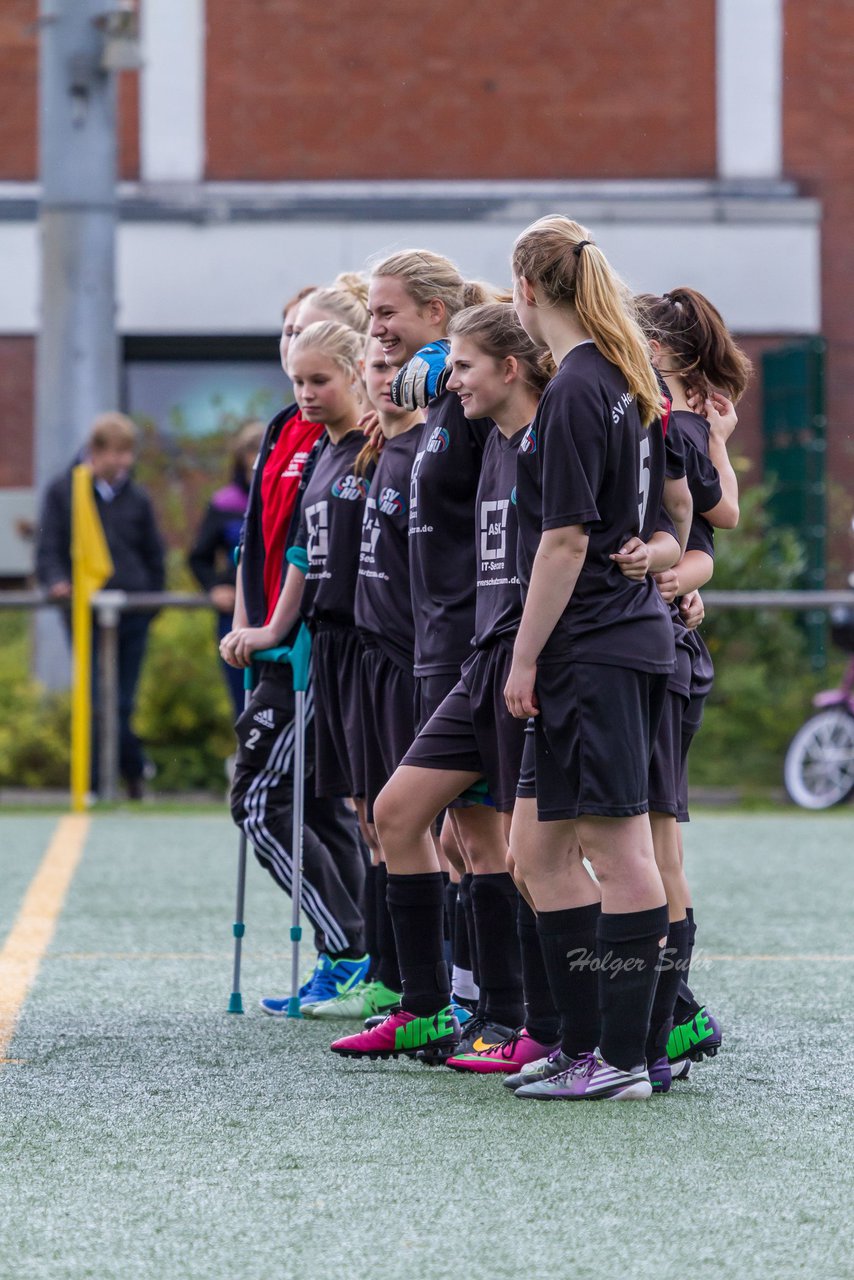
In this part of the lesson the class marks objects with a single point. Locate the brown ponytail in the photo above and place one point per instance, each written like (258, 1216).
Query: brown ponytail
(557, 256)
(689, 327)
(367, 457)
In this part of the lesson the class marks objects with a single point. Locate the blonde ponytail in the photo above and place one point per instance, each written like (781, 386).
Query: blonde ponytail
(557, 255)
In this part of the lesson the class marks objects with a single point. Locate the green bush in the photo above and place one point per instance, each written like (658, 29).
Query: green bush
(763, 680)
(35, 726)
(183, 713)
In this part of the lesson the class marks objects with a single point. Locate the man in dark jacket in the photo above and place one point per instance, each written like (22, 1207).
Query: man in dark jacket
(137, 552)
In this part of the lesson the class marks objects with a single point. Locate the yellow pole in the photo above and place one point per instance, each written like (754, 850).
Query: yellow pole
(81, 692)
(91, 566)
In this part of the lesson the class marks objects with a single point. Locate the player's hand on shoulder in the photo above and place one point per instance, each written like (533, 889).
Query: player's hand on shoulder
(422, 378)
(370, 424)
(633, 559)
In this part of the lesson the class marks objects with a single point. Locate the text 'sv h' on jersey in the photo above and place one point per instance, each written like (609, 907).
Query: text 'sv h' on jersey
(383, 600)
(587, 460)
(442, 562)
(330, 530)
(498, 607)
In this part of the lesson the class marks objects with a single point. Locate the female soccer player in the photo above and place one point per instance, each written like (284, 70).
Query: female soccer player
(499, 374)
(697, 357)
(383, 612)
(590, 662)
(412, 296)
(326, 381)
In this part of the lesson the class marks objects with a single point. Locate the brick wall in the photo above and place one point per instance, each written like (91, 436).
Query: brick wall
(550, 89)
(16, 411)
(18, 73)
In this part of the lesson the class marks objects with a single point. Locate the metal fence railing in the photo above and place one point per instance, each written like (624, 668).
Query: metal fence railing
(108, 607)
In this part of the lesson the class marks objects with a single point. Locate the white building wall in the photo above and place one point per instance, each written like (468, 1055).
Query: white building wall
(750, 88)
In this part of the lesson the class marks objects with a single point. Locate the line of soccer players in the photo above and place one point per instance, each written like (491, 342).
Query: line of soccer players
(494, 516)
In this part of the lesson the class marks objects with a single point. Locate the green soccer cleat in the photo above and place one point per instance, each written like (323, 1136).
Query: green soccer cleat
(364, 1001)
(697, 1038)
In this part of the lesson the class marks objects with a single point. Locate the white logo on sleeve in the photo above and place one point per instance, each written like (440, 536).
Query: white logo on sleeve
(317, 523)
(493, 533)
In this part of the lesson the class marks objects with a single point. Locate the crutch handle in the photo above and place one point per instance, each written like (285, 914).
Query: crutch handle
(297, 655)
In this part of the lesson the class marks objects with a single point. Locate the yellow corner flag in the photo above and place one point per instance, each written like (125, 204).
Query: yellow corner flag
(91, 567)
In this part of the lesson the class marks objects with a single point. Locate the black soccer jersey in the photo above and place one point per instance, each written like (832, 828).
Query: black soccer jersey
(383, 601)
(442, 564)
(587, 460)
(498, 608)
(330, 529)
(703, 479)
(705, 488)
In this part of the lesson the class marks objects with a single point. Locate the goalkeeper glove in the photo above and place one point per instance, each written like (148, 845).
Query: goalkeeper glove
(422, 378)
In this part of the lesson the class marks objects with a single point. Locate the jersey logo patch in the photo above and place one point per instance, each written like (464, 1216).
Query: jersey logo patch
(351, 488)
(513, 496)
(391, 502)
(439, 440)
(529, 441)
(493, 533)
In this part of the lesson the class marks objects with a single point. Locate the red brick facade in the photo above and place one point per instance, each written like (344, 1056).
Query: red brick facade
(340, 91)
(16, 411)
(18, 88)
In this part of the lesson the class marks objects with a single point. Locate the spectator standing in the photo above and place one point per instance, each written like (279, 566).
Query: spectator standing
(136, 548)
(212, 556)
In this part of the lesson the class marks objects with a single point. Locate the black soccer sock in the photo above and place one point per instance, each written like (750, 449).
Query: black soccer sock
(669, 977)
(686, 1004)
(416, 905)
(541, 1017)
(493, 899)
(568, 940)
(462, 954)
(628, 948)
(464, 898)
(451, 888)
(369, 910)
(388, 970)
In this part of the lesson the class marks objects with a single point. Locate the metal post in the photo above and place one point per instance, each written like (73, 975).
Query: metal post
(107, 610)
(77, 349)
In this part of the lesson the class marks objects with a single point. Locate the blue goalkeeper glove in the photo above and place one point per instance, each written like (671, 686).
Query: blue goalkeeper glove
(422, 378)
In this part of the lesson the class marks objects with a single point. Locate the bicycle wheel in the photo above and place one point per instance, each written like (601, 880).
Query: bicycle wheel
(819, 769)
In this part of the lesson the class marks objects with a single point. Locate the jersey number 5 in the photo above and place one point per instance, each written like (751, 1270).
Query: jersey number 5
(643, 481)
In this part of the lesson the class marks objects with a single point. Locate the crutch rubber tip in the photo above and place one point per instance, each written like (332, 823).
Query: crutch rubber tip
(238, 930)
(294, 1010)
(235, 1003)
(296, 933)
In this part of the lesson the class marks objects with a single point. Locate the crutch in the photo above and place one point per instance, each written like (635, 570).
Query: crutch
(298, 657)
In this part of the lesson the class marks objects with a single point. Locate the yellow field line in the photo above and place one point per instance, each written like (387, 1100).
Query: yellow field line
(35, 923)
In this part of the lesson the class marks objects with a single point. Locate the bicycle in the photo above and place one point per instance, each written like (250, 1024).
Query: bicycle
(819, 767)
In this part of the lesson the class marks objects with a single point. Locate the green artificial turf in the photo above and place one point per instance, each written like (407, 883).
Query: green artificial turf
(147, 1134)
